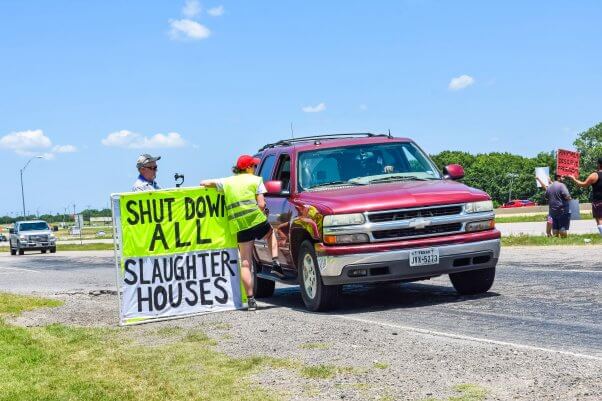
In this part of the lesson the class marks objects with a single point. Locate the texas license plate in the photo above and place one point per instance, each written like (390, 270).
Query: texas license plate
(424, 257)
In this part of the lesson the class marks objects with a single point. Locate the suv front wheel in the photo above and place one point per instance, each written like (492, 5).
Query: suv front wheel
(316, 295)
(473, 281)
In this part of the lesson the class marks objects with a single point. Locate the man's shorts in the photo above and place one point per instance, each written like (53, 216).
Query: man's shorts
(562, 222)
(257, 232)
(597, 209)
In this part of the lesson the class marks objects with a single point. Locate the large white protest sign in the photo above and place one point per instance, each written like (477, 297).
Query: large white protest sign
(175, 255)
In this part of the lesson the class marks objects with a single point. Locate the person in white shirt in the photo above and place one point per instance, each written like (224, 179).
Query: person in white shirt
(147, 166)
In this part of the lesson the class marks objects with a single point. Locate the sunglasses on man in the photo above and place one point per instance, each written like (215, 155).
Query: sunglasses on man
(154, 168)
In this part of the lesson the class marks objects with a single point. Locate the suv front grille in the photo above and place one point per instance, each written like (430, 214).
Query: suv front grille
(411, 214)
(418, 232)
(38, 238)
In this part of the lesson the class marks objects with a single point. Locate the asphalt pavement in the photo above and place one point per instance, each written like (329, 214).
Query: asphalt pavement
(545, 298)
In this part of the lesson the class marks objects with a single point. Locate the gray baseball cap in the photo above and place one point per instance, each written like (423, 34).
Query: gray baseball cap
(145, 158)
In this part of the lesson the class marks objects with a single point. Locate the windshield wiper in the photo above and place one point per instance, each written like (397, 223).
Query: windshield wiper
(398, 178)
(339, 182)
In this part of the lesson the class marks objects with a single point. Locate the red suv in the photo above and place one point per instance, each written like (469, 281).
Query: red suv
(366, 208)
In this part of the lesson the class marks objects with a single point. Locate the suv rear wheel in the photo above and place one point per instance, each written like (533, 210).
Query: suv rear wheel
(53, 249)
(13, 251)
(316, 295)
(473, 281)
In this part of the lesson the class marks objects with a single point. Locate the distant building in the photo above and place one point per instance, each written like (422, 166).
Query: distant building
(101, 221)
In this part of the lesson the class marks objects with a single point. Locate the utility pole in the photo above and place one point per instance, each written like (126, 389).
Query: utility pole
(512, 176)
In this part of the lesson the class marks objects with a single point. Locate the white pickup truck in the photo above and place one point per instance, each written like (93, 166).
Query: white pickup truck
(33, 235)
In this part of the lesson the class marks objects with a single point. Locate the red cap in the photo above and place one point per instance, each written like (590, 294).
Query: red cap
(246, 161)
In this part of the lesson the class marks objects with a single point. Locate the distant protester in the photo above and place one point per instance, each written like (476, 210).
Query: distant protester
(558, 197)
(147, 167)
(595, 181)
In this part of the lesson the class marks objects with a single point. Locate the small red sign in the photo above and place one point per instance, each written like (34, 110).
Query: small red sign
(567, 163)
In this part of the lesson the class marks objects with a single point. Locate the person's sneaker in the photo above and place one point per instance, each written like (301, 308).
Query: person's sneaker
(276, 269)
(251, 304)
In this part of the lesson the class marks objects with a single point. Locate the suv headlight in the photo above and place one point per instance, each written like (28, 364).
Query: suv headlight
(334, 220)
(23, 237)
(477, 207)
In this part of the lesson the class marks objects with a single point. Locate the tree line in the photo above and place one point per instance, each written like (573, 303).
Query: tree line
(497, 172)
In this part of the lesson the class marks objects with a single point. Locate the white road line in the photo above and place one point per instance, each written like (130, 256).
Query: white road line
(563, 270)
(15, 268)
(463, 337)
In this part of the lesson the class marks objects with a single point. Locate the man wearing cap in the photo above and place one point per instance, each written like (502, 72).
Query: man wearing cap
(147, 166)
(245, 205)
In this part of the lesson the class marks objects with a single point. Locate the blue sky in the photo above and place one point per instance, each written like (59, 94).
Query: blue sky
(93, 84)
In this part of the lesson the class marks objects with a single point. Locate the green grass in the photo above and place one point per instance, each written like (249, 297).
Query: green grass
(572, 239)
(14, 305)
(319, 371)
(381, 365)
(465, 392)
(59, 362)
(531, 218)
(313, 346)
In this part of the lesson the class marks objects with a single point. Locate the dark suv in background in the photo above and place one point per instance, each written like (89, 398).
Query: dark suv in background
(366, 208)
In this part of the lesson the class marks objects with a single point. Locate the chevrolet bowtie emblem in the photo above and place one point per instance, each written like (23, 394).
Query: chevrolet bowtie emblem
(419, 223)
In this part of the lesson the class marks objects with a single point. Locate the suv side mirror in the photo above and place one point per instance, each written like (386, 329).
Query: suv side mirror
(275, 188)
(11, 230)
(454, 171)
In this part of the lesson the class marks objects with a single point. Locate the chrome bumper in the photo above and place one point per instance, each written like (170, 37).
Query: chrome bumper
(395, 265)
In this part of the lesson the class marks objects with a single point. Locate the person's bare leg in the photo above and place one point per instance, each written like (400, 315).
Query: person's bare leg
(246, 254)
(272, 243)
(548, 229)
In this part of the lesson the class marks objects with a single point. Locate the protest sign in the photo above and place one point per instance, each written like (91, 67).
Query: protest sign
(567, 163)
(543, 173)
(174, 254)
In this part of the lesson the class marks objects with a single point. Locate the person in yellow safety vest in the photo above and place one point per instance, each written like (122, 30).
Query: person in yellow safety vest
(245, 205)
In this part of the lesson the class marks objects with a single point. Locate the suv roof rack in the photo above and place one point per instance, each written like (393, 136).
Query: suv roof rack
(288, 142)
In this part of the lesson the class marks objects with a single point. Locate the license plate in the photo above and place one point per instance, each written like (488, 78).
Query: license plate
(424, 257)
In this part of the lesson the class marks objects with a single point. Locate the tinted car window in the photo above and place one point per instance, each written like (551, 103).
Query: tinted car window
(266, 168)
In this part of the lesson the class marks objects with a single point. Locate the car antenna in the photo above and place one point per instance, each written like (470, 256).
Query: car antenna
(292, 132)
(390, 136)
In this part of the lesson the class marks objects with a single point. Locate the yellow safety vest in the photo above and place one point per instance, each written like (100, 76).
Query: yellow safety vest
(241, 203)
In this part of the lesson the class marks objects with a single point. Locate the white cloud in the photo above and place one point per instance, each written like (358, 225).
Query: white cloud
(461, 82)
(64, 149)
(191, 8)
(188, 29)
(216, 11)
(25, 140)
(33, 143)
(314, 109)
(133, 140)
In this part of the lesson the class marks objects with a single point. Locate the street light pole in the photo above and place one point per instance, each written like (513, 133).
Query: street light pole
(21, 172)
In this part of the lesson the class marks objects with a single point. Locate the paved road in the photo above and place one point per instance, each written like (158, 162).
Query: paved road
(549, 298)
(539, 228)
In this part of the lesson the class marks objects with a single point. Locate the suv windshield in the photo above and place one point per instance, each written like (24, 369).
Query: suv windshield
(364, 164)
(40, 225)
